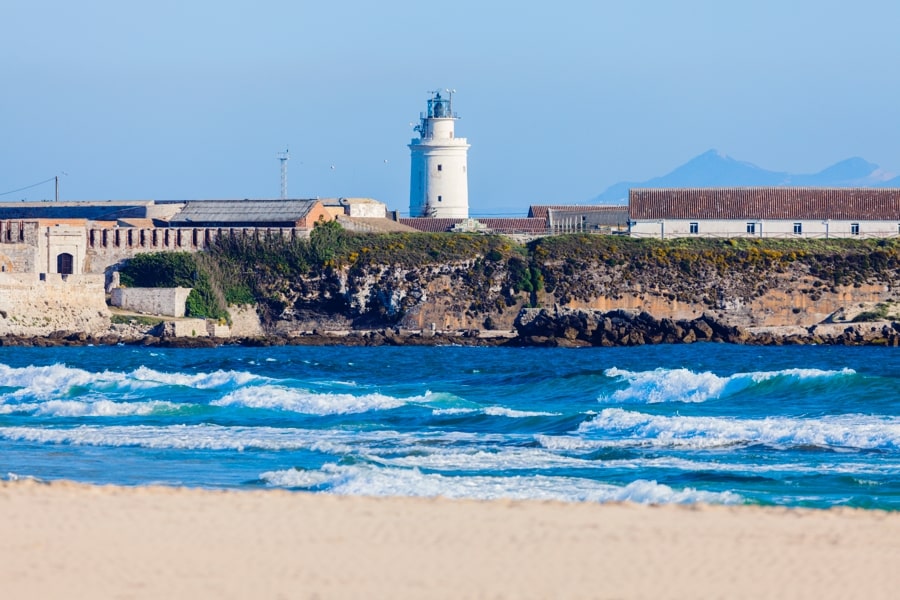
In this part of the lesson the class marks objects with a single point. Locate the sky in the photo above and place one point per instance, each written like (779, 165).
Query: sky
(193, 99)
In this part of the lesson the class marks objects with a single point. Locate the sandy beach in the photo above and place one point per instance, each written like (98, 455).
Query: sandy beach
(66, 540)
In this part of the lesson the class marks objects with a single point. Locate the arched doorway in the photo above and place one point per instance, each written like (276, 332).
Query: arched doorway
(64, 264)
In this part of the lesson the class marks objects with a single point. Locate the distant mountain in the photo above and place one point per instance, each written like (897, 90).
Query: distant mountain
(714, 169)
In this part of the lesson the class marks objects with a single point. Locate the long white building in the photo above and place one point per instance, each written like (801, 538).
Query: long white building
(439, 183)
(779, 212)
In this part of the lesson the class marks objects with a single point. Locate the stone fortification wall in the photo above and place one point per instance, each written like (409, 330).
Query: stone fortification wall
(185, 328)
(108, 247)
(151, 301)
(18, 247)
(18, 258)
(37, 305)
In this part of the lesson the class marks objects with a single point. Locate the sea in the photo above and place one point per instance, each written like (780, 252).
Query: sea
(799, 426)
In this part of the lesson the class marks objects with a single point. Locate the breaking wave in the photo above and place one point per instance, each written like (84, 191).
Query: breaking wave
(684, 385)
(370, 481)
(621, 427)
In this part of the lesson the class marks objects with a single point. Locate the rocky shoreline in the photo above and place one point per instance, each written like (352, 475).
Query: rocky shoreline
(556, 327)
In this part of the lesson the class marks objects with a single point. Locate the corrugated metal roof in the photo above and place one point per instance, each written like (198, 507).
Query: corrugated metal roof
(242, 211)
(766, 203)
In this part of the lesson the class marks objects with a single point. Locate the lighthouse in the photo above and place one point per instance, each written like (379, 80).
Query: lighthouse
(439, 184)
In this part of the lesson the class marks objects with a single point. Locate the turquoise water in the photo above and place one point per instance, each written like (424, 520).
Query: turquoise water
(793, 426)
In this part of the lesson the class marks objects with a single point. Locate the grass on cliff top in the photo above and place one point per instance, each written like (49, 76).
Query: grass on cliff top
(329, 245)
(833, 261)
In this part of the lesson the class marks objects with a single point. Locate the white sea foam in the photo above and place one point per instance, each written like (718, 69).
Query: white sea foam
(98, 408)
(842, 431)
(187, 437)
(812, 466)
(373, 481)
(273, 397)
(493, 411)
(500, 411)
(57, 380)
(52, 380)
(17, 477)
(683, 385)
(499, 459)
(454, 411)
(202, 381)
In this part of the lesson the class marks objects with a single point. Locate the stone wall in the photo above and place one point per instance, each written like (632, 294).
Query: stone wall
(108, 247)
(37, 305)
(185, 328)
(151, 301)
(18, 258)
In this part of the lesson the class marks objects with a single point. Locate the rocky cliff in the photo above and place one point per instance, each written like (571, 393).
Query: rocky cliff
(749, 285)
(579, 289)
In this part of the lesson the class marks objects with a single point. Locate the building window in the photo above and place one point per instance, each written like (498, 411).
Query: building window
(854, 228)
(440, 199)
(440, 167)
(751, 227)
(798, 228)
(695, 228)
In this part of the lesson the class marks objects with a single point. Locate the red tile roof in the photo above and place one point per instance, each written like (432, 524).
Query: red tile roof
(540, 211)
(430, 225)
(525, 225)
(765, 203)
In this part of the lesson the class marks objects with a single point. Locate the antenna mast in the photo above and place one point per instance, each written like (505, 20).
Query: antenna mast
(283, 158)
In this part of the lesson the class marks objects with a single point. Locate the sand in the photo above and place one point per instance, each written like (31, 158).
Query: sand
(65, 540)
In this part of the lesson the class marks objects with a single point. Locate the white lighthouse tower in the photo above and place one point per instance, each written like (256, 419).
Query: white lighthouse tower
(439, 184)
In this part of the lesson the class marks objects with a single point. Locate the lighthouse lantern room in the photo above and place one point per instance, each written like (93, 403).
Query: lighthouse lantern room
(438, 184)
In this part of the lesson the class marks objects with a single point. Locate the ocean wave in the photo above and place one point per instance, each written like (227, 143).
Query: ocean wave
(684, 385)
(59, 380)
(219, 437)
(480, 459)
(861, 432)
(367, 480)
(53, 380)
(493, 411)
(273, 397)
(98, 408)
(500, 411)
(187, 437)
(201, 381)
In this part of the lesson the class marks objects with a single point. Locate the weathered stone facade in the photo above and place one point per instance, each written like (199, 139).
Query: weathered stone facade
(34, 304)
(168, 302)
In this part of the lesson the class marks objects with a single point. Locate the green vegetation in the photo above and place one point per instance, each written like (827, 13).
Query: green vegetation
(277, 272)
(836, 261)
(178, 269)
(879, 313)
(135, 320)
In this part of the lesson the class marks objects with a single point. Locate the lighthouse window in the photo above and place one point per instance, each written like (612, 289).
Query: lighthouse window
(440, 167)
(440, 199)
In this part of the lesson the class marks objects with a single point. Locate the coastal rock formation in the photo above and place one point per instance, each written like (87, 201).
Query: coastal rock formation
(603, 290)
(581, 327)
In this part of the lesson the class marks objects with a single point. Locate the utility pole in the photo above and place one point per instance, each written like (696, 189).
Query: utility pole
(57, 187)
